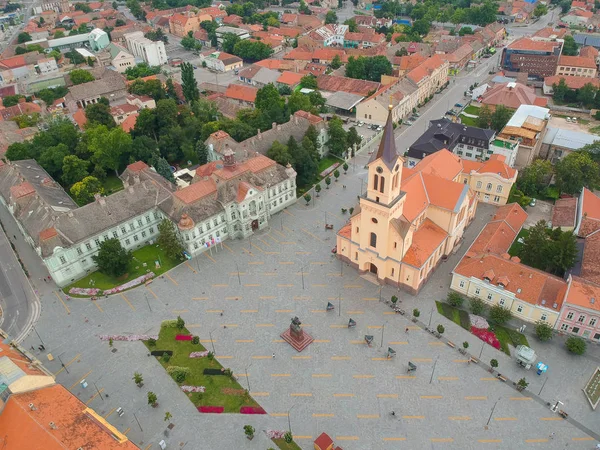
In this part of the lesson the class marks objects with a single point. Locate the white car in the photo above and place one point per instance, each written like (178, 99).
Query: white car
(360, 124)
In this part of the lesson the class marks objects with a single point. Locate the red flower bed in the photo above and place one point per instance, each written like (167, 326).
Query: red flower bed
(183, 337)
(252, 410)
(211, 409)
(486, 336)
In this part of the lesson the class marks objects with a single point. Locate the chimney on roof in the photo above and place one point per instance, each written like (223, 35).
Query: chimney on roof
(32, 407)
(100, 199)
(136, 178)
(295, 119)
(125, 184)
(53, 425)
(273, 125)
(278, 127)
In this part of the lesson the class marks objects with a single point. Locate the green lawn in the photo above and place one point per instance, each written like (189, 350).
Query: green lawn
(458, 316)
(221, 390)
(325, 163)
(147, 254)
(281, 444)
(595, 130)
(112, 184)
(472, 110)
(328, 161)
(468, 121)
(515, 248)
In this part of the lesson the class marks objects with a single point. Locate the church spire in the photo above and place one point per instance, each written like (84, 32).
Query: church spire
(387, 147)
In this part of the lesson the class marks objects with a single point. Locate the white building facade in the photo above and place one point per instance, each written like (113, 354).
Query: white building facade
(152, 52)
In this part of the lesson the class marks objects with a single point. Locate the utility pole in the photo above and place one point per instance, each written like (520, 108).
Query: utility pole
(63, 364)
(339, 305)
(38, 335)
(289, 421)
(211, 342)
(302, 273)
(138, 422)
(238, 273)
(430, 316)
(247, 378)
(433, 370)
(147, 301)
(97, 390)
(492, 413)
(544, 384)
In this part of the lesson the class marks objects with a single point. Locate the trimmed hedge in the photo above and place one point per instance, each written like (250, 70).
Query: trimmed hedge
(161, 352)
(213, 372)
(169, 323)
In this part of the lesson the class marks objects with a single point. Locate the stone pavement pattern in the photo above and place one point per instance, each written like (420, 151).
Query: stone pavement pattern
(338, 384)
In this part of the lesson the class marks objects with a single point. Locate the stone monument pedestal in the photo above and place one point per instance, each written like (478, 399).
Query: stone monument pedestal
(296, 336)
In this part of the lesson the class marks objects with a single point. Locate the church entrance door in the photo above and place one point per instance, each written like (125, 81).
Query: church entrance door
(373, 269)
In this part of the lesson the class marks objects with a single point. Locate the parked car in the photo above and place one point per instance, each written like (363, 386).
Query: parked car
(417, 114)
(379, 128)
(408, 122)
(568, 119)
(458, 105)
(360, 124)
(574, 119)
(532, 202)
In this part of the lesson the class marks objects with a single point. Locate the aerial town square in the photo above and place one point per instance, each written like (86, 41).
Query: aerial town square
(324, 224)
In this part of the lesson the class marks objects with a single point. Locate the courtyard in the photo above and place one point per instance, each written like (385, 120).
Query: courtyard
(240, 296)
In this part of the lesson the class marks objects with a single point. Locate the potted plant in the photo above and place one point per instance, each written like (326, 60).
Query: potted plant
(394, 299)
(327, 181)
(152, 399)
(345, 167)
(249, 431)
(336, 174)
(351, 210)
(440, 329)
(317, 189)
(522, 384)
(110, 342)
(416, 314)
(494, 364)
(138, 379)
(465, 347)
(168, 416)
(307, 198)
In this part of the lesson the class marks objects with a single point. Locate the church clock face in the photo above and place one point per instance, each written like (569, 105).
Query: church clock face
(379, 169)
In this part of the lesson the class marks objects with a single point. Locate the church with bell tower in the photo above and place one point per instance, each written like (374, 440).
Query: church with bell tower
(409, 219)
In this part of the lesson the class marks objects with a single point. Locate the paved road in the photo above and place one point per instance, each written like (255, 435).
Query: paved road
(20, 306)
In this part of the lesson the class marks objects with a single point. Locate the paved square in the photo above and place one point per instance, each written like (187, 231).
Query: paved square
(338, 384)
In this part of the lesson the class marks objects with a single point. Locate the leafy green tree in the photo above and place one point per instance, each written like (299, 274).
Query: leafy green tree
(575, 171)
(169, 240)
(188, 83)
(534, 178)
(353, 138)
(59, 34)
(112, 259)
(368, 68)
(83, 7)
(152, 398)
(99, 114)
(576, 345)
(49, 95)
(304, 162)
(441, 329)
(75, 58)
(170, 89)
(500, 118)
(352, 26)
(500, 314)
(535, 246)
(299, 102)
(23, 37)
(189, 42)
(543, 331)
(569, 46)
(485, 117)
(74, 169)
(494, 363)
(179, 323)
(271, 105)
(455, 299)
(540, 10)
(152, 88)
(138, 379)
(51, 159)
(80, 76)
(251, 51)
(110, 149)
(336, 62)
(141, 70)
(307, 198)
(477, 305)
(136, 9)
(563, 252)
(279, 153)
(83, 191)
(331, 17)
(308, 82)
(18, 151)
(560, 90)
(337, 137)
(586, 94)
(229, 41)
(162, 168)
(202, 152)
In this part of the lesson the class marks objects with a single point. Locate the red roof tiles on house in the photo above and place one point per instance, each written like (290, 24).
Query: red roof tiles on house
(241, 92)
(573, 82)
(529, 44)
(425, 242)
(577, 61)
(564, 212)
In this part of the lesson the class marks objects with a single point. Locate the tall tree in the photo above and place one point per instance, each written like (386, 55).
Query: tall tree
(110, 149)
(485, 117)
(559, 90)
(171, 92)
(563, 253)
(74, 169)
(169, 240)
(202, 152)
(500, 118)
(331, 17)
(83, 191)
(162, 168)
(279, 153)
(569, 46)
(51, 159)
(271, 105)
(586, 94)
(535, 247)
(112, 259)
(188, 83)
(80, 76)
(575, 171)
(336, 62)
(353, 138)
(534, 178)
(229, 41)
(99, 114)
(337, 137)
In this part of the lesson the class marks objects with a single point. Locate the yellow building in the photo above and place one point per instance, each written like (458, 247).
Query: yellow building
(491, 180)
(489, 273)
(409, 219)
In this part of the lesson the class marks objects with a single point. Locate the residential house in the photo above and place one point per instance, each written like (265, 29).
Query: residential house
(573, 82)
(466, 142)
(591, 53)
(408, 219)
(202, 38)
(460, 57)
(491, 180)
(120, 58)
(577, 17)
(152, 52)
(290, 79)
(331, 35)
(549, 34)
(527, 126)
(576, 66)
(111, 85)
(180, 24)
(580, 315)
(221, 61)
(243, 95)
(404, 64)
(588, 228)
(334, 83)
(512, 95)
(228, 200)
(429, 76)
(23, 107)
(489, 273)
(558, 143)
(401, 96)
(258, 76)
(564, 214)
(538, 58)
(239, 32)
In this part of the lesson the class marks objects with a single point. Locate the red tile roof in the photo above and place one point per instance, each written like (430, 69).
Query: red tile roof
(494, 165)
(531, 45)
(590, 213)
(588, 52)
(590, 263)
(241, 92)
(129, 123)
(48, 233)
(14, 62)
(334, 83)
(425, 242)
(290, 78)
(79, 118)
(196, 191)
(564, 213)
(577, 61)
(584, 293)
(573, 82)
(22, 190)
(512, 95)
(308, 116)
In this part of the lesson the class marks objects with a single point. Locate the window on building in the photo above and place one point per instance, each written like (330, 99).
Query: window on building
(496, 199)
(356, 256)
(143, 234)
(97, 241)
(135, 238)
(382, 184)
(123, 230)
(502, 301)
(373, 241)
(581, 318)
(575, 330)
(477, 291)
(520, 308)
(84, 261)
(62, 260)
(195, 245)
(115, 234)
(215, 221)
(597, 336)
(469, 154)
(489, 187)
(462, 284)
(570, 316)
(140, 223)
(131, 227)
(489, 297)
(127, 242)
(478, 184)
(233, 215)
(151, 230)
(564, 327)
(543, 317)
(499, 188)
(88, 246)
(147, 219)
(376, 182)
(593, 321)
(79, 251)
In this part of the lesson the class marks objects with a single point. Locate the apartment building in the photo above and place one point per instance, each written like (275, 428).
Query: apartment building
(152, 52)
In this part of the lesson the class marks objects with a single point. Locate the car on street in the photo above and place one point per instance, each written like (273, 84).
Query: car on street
(532, 202)
(417, 114)
(360, 124)
(408, 122)
(451, 112)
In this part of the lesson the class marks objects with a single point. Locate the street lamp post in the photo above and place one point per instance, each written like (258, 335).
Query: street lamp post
(289, 421)
(433, 370)
(481, 352)
(430, 316)
(63, 364)
(238, 273)
(147, 301)
(248, 379)
(302, 273)
(492, 413)
(544, 384)
(211, 341)
(97, 390)
(38, 335)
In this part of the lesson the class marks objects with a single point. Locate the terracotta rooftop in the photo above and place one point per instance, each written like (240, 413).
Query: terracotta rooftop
(531, 45)
(290, 78)
(588, 52)
(333, 83)
(75, 425)
(584, 293)
(129, 123)
(494, 165)
(48, 233)
(308, 116)
(573, 82)
(22, 190)
(443, 164)
(590, 263)
(137, 166)
(590, 213)
(424, 243)
(196, 191)
(564, 213)
(498, 235)
(512, 95)
(577, 61)
(241, 92)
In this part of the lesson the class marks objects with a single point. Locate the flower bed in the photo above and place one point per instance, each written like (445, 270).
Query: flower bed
(478, 322)
(211, 409)
(486, 336)
(130, 337)
(84, 291)
(198, 354)
(252, 410)
(193, 388)
(183, 337)
(135, 282)
(275, 434)
(329, 170)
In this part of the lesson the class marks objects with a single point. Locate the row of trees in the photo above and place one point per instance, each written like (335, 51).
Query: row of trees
(368, 68)
(586, 96)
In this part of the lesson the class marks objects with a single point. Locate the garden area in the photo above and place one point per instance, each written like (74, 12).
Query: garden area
(515, 248)
(111, 184)
(142, 263)
(490, 330)
(209, 386)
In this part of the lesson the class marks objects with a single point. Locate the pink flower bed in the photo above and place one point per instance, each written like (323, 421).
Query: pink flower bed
(84, 291)
(193, 388)
(252, 410)
(275, 434)
(198, 354)
(128, 337)
(211, 409)
(183, 337)
(329, 170)
(130, 284)
(486, 336)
